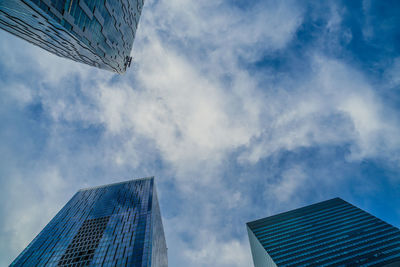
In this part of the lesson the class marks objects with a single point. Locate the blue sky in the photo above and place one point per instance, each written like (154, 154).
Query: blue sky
(240, 109)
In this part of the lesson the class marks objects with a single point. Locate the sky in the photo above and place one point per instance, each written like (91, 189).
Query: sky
(240, 109)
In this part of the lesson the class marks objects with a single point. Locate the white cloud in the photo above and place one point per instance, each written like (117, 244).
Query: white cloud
(336, 106)
(392, 73)
(211, 252)
(287, 187)
(190, 103)
(19, 93)
(27, 213)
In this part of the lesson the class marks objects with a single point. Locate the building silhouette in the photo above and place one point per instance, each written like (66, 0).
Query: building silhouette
(329, 233)
(99, 33)
(111, 225)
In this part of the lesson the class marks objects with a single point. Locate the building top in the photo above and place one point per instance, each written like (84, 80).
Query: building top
(329, 233)
(117, 183)
(295, 213)
(97, 33)
(110, 225)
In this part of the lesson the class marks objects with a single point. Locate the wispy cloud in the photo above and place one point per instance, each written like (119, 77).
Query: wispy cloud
(209, 109)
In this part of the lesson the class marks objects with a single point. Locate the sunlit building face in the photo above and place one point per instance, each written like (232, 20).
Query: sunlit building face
(112, 225)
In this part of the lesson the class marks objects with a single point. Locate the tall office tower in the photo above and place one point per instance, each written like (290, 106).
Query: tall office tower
(329, 233)
(96, 32)
(111, 225)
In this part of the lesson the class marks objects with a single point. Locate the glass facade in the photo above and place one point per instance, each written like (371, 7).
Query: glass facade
(329, 233)
(112, 225)
(95, 32)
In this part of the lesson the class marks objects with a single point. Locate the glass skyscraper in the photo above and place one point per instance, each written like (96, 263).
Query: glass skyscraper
(111, 225)
(329, 233)
(96, 32)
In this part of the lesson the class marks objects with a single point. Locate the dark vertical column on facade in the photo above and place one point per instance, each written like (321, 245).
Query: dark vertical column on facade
(139, 240)
(139, 243)
(159, 255)
(150, 203)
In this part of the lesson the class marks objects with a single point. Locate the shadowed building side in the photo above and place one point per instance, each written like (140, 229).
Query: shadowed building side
(329, 233)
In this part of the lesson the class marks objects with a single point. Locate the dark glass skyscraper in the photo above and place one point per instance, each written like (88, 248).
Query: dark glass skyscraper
(96, 32)
(112, 225)
(329, 233)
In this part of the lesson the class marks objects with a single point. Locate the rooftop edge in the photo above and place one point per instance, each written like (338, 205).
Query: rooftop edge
(112, 184)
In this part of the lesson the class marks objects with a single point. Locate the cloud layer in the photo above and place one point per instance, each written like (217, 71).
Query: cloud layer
(240, 110)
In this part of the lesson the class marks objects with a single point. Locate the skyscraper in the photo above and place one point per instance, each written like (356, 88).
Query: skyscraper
(96, 32)
(329, 233)
(111, 225)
